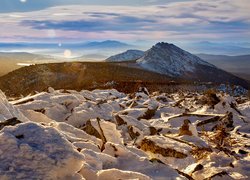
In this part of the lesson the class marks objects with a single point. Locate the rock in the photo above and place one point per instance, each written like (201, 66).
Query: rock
(149, 113)
(153, 130)
(9, 122)
(131, 132)
(217, 122)
(225, 122)
(198, 168)
(51, 90)
(162, 98)
(185, 175)
(148, 145)
(89, 128)
(220, 175)
(210, 98)
(240, 151)
(144, 90)
(114, 174)
(32, 151)
(119, 120)
(184, 129)
(133, 104)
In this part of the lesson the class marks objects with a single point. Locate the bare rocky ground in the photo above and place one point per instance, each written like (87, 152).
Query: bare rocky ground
(106, 134)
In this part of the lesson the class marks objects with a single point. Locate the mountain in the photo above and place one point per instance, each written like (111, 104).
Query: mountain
(24, 56)
(10, 61)
(170, 60)
(157, 68)
(77, 76)
(94, 44)
(129, 55)
(91, 57)
(106, 44)
(218, 48)
(106, 48)
(239, 65)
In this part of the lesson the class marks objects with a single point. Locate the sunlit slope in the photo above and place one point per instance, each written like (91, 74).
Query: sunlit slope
(74, 75)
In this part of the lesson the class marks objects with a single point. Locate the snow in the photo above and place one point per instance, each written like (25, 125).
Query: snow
(57, 137)
(8, 111)
(114, 174)
(31, 150)
(129, 55)
(168, 59)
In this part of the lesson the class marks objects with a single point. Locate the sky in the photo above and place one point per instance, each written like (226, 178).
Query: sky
(125, 20)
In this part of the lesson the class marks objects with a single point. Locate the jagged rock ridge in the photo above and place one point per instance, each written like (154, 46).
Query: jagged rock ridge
(129, 55)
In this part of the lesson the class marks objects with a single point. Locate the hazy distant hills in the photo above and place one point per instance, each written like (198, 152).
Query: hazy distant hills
(239, 65)
(110, 47)
(95, 44)
(218, 48)
(105, 48)
(24, 56)
(106, 45)
(90, 57)
(9, 60)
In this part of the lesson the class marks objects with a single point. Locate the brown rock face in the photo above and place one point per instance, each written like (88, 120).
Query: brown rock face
(210, 98)
(148, 145)
(131, 132)
(184, 129)
(9, 122)
(119, 120)
(148, 114)
(153, 130)
(88, 128)
(225, 122)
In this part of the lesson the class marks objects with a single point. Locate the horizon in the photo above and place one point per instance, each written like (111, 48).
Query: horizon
(212, 27)
(107, 48)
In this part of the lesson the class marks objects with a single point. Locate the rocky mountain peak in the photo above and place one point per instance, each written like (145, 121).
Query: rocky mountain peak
(169, 59)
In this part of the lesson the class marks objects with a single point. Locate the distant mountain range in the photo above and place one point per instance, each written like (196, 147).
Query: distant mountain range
(109, 47)
(14, 60)
(102, 48)
(106, 44)
(218, 48)
(109, 44)
(92, 51)
(239, 65)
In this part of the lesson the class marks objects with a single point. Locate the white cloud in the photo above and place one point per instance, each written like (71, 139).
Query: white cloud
(189, 20)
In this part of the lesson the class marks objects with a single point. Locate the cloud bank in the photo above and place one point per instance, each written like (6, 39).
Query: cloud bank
(220, 20)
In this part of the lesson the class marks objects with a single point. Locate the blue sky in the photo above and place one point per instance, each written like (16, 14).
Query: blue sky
(31, 5)
(125, 20)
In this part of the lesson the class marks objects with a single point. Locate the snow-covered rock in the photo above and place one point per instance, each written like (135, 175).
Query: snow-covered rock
(99, 133)
(30, 150)
(129, 55)
(8, 111)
